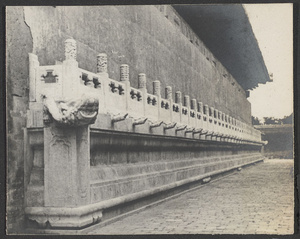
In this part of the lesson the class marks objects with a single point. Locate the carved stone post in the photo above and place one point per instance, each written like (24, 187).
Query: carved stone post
(193, 115)
(178, 97)
(156, 91)
(206, 113)
(124, 72)
(178, 100)
(142, 85)
(102, 65)
(71, 76)
(156, 88)
(200, 107)
(193, 104)
(142, 81)
(124, 77)
(200, 121)
(186, 101)
(168, 95)
(70, 49)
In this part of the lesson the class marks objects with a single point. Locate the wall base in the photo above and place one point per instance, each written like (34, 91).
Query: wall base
(81, 219)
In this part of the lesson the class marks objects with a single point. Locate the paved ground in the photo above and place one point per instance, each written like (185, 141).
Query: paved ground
(256, 200)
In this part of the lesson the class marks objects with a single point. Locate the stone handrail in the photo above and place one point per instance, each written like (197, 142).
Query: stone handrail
(118, 97)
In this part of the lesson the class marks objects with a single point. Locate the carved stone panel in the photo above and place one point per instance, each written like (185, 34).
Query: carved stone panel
(60, 154)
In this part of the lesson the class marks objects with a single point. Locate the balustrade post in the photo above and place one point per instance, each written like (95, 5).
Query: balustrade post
(178, 100)
(206, 108)
(124, 78)
(156, 92)
(193, 107)
(169, 97)
(200, 117)
(142, 85)
(216, 124)
(103, 79)
(70, 74)
(221, 127)
(102, 65)
(186, 103)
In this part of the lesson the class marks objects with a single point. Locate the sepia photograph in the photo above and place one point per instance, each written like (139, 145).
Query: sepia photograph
(150, 119)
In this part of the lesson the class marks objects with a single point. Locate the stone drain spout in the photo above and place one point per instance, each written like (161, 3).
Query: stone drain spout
(169, 126)
(118, 118)
(139, 121)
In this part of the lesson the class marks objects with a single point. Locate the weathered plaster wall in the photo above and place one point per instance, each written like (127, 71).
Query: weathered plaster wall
(19, 43)
(143, 38)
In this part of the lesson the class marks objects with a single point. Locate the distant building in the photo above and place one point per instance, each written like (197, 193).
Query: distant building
(280, 140)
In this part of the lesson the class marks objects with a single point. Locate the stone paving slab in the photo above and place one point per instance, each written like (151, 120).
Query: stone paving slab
(257, 200)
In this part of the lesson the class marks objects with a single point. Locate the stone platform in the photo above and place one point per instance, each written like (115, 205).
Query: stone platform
(255, 200)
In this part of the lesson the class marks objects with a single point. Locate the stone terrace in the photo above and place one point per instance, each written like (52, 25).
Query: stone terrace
(256, 200)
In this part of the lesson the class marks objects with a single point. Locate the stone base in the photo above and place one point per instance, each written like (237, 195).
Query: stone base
(105, 209)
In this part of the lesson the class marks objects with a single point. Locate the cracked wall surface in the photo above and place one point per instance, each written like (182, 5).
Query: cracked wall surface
(18, 44)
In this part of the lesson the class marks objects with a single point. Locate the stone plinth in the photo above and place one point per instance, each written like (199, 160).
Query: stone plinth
(66, 155)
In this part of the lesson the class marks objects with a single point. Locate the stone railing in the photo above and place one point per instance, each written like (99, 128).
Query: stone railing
(93, 143)
(120, 100)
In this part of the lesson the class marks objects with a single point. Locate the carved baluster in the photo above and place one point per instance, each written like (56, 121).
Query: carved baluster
(193, 107)
(71, 75)
(169, 105)
(186, 101)
(142, 81)
(168, 91)
(193, 104)
(178, 97)
(70, 49)
(156, 91)
(102, 63)
(206, 119)
(178, 100)
(124, 72)
(156, 88)
(124, 77)
(101, 69)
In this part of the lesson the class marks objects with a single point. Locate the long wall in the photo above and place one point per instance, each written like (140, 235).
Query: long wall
(140, 36)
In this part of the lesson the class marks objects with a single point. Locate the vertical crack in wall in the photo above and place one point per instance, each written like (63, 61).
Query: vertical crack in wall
(26, 23)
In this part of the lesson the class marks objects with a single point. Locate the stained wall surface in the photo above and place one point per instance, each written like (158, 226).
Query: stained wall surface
(140, 36)
(19, 43)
